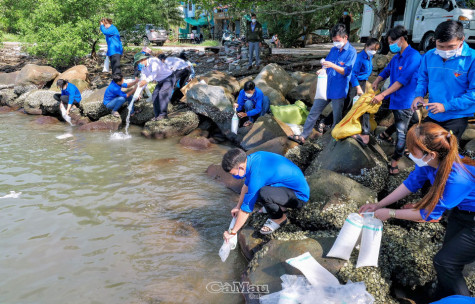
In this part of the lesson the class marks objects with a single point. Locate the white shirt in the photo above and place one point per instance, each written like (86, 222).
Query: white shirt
(175, 63)
(155, 70)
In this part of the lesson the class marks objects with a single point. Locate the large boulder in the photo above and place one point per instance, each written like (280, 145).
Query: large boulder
(264, 129)
(143, 112)
(76, 72)
(470, 148)
(276, 77)
(41, 102)
(108, 122)
(218, 78)
(469, 134)
(33, 76)
(326, 185)
(195, 142)
(217, 173)
(303, 155)
(301, 92)
(82, 85)
(77, 119)
(92, 105)
(244, 80)
(303, 77)
(380, 62)
(7, 96)
(8, 80)
(178, 123)
(278, 145)
(276, 98)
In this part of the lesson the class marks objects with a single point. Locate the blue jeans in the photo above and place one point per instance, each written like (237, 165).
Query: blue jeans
(249, 106)
(117, 102)
(401, 122)
(317, 109)
(254, 47)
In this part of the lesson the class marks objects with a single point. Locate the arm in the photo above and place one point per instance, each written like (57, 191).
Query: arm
(107, 31)
(356, 68)
(240, 102)
(69, 108)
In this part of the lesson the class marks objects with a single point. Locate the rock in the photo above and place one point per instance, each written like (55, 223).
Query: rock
(212, 102)
(385, 118)
(41, 101)
(108, 122)
(33, 76)
(17, 103)
(303, 77)
(6, 109)
(217, 78)
(217, 173)
(77, 119)
(143, 112)
(178, 123)
(82, 85)
(278, 145)
(326, 185)
(92, 105)
(244, 80)
(8, 80)
(276, 98)
(78, 72)
(7, 97)
(301, 92)
(250, 241)
(303, 155)
(46, 120)
(469, 274)
(469, 134)
(276, 77)
(269, 263)
(195, 142)
(470, 148)
(264, 129)
(380, 62)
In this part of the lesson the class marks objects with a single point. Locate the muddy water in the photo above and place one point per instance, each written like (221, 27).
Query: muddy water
(103, 221)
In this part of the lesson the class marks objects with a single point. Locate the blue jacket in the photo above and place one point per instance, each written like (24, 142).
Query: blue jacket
(113, 91)
(338, 85)
(270, 169)
(73, 93)
(451, 83)
(114, 45)
(456, 300)
(362, 68)
(256, 100)
(459, 189)
(403, 69)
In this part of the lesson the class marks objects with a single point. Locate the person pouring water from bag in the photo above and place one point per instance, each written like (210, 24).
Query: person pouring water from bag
(435, 153)
(69, 95)
(251, 103)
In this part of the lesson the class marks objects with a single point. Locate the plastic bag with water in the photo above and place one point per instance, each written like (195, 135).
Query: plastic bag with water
(370, 242)
(106, 65)
(234, 123)
(347, 238)
(321, 92)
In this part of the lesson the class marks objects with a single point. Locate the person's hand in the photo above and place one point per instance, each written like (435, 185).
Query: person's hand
(359, 91)
(235, 105)
(416, 102)
(234, 211)
(142, 83)
(374, 86)
(382, 214)
(319, 71)
(101, 23)
(328, 64)
(260, 44)
(435, 107)
(369, 207)
(67, 112)
(247, 43)
(378, 99)
(227, 236)
(242, 114)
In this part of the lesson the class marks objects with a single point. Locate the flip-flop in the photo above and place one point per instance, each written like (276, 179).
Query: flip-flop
(296, 138)
(273, 226)
(359, 139)
(385, 138)
(116, 114)
(391, 168)
(262, 210)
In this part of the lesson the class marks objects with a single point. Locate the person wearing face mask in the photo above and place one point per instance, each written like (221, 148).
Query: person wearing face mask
(403, 69)
(254, 40)
(338, 64)
(435, 152)
(114, 45)
(346, 19)
(139, 66)
(448, 74)
(251, 103)
(272, 180)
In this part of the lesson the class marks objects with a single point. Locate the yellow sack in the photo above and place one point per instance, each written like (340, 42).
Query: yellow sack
(351, 124)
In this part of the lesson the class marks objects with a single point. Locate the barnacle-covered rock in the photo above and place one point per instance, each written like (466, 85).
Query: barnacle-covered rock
(303, 155)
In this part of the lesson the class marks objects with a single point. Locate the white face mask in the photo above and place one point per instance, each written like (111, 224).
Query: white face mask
(419, 161)
(249, 95)
(253, 20)
(370, 53)
(338, 44)
(446, 54)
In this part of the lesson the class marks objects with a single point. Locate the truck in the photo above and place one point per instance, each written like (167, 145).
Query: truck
(421, 17)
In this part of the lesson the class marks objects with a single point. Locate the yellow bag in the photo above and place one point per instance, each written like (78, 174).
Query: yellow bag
(351, 124)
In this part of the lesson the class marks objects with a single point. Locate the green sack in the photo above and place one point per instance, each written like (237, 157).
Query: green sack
(293, 114)
(151, 86)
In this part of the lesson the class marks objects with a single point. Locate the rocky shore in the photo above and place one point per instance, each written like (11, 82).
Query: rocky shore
(342, 175)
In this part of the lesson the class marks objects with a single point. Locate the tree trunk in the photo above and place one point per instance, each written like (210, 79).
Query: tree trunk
(93, 50)
(381, 13)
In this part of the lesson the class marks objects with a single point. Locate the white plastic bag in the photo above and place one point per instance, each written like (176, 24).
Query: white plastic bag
(370, 242)
(347, 238)
(355, 99)
(321, 92)
(234, 123)
(137, 93)
(296, 129)
(315, 273)
(64, 114)
(230, 245)
(106, 65)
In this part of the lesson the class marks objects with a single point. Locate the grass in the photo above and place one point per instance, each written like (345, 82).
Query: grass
(204, 43)
(9, 37)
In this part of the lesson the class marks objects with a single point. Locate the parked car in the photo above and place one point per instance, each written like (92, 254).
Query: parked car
(144, 34)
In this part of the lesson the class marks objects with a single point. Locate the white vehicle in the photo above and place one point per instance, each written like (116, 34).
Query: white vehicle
(421, 17)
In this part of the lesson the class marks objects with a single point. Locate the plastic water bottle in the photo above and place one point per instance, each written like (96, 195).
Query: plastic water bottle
(235, 123)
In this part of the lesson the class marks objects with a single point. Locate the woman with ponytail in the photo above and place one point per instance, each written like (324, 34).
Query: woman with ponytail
(435, 152)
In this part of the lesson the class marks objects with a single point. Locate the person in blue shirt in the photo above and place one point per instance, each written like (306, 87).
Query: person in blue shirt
(114, 45)
(114, 97)
(456, 300)
(448, 74)
(69, 95)
(271, 179)
(403, 69)
(251, 103)
(435, 152)
(338, 64)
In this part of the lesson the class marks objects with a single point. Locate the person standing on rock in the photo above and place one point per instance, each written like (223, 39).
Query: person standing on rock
(448, 74)
(271, 179)
(403, 69)
(114, 45)
(180, 68)
(338, 64)
(155, 69)
(251, 103)
(69, 95)
(138, 69)
(435, 152)
(114, 98)
(254, 40)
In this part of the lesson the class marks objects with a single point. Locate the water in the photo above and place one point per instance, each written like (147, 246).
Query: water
(105, 221)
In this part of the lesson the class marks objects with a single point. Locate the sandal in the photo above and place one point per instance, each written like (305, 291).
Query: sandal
(247, 123)
(116, 114)
(297, 138)
(272, 226)
(385, 137)
(391, 169)
(359, 139)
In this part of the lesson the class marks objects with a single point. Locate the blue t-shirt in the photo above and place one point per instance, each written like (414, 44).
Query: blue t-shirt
(459, 189)
(456, 300)
(270, 169)
(256, 99)
(403, 69)
(73, 93)
(113, 91)
(337, 84)
(362, 68)
(114, 45)
(451, 83)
